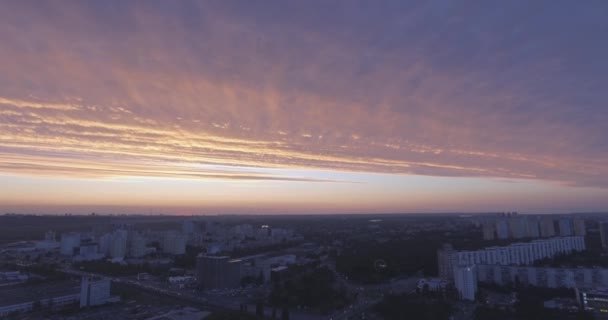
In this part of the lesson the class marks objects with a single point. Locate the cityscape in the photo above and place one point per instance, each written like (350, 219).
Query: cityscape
(434, 266)
(303, 160)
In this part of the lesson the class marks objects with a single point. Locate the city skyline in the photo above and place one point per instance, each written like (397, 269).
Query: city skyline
(303, 107)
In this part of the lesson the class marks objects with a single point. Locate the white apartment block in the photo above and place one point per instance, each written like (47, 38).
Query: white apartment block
(465, 281)
(543, 276)
(520, 253)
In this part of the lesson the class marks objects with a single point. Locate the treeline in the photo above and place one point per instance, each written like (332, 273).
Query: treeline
(406, 306)
(317, 290)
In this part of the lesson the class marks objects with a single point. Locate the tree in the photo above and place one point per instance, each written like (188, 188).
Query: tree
(285, 314)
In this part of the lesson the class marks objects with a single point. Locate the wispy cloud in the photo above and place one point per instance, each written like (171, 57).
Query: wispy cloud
(117, 88)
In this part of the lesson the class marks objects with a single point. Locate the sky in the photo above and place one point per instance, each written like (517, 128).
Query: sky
(205, 107)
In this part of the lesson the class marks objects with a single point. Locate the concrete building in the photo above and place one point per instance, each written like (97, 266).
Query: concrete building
(94, 292)
(566, 228)
(465, 281)
(188, 227)
(261, 265)
(502, 229)
(137, 246)
(174, 243)
(533, 227)
(88, 250)
(218, 272)
(444, 259)
(105, 242)
(118, 245)
(489, 230)
(604, 234)
(547, 227)
(520, 253)
(56, 295)
(543, 276)
(579, 227)
(22, 299)
(69, 242)
(518, 227)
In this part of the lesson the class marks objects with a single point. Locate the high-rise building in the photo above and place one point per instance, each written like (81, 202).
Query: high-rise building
(533, 227)
(218, 272)
(520, 253)
(137, 246)
(174, 243)
(118, 245)
(465, 281)
(94, 292)
(69, 242)
(105, 242)
(502, 229)
(518, 227)
(604, 234)
(188, 227)
(88, 250)
(489, 230)
(444, 260)
(579, 227)
(547, 227)
(565, 227)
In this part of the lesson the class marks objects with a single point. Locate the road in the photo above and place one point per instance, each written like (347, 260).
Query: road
(190, 298)
(367, 296)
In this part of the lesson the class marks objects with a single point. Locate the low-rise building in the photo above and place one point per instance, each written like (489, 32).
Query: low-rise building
(94, 292)
(21, 299)
(218, 272)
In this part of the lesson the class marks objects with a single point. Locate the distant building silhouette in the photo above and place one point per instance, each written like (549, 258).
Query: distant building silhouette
(604, 234)
(547, 227)
(444, 258)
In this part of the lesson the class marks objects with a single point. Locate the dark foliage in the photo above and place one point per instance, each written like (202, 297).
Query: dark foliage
(315, 290)
(398, 307)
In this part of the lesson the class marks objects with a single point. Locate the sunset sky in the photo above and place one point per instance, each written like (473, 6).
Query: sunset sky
(188, 107)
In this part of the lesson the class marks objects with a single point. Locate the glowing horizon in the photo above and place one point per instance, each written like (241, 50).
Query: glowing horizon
(302, 107)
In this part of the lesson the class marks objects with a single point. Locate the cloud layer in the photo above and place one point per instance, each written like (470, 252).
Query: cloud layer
(118, 88)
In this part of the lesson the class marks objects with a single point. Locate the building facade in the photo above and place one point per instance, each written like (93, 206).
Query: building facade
(218, 272)
(174, 243)
(543, 276)
(520, 253)
(69, 242)
(444, 259)
(94, 292)
(604, 234)
(465, 281)
(547, 227)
